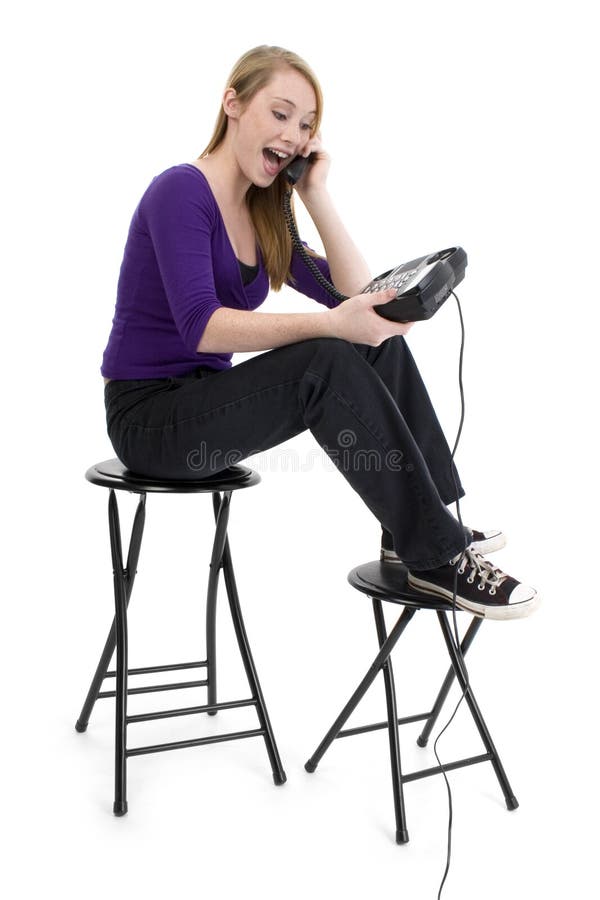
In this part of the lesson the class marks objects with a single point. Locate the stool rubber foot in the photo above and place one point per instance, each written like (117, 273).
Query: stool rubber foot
(212, 712)
(120, 807)
(512, 803)
(279, 778)
(402, 837)
(81, 726)
(310, 766)
(421, 741)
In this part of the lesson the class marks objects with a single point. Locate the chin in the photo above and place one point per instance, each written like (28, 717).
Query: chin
(265, 181)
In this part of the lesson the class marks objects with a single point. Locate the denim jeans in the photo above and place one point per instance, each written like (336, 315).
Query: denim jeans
(366, 406)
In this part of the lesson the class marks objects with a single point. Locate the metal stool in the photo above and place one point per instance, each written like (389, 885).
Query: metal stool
(387, 581)
(113, 475)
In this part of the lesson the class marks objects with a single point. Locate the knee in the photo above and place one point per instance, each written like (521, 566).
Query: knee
(396, 341)
(335, 347)
(394, 345)
(333, 361)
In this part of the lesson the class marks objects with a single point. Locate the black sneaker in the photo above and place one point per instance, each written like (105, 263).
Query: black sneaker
(483, 542)
(482, 589)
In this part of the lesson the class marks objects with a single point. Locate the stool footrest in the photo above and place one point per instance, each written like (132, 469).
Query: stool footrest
(153, 688)
(188, 711)
(147, 670)
(362, 729)
(436, 770)
(195, 742)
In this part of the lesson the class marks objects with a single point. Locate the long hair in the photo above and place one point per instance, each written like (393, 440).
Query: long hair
(250, 74)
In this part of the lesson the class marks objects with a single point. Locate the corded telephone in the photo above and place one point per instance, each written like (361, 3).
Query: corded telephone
(422, 284)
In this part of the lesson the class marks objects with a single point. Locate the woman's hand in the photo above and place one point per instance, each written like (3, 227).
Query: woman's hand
(315, 175)
(356, 321)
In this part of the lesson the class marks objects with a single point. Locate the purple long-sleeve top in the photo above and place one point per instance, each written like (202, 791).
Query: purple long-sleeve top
(178, 268)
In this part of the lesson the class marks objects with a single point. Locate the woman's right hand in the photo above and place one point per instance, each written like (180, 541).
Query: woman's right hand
(356, 321)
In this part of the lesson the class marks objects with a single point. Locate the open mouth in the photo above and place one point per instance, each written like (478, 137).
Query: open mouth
(274, 160)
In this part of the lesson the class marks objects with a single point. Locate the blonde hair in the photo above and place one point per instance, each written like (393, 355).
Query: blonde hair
(250, 74)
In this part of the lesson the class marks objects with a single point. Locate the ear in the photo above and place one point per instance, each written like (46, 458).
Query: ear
(231, 104)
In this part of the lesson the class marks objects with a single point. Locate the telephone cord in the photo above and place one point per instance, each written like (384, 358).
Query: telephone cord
(291, 224)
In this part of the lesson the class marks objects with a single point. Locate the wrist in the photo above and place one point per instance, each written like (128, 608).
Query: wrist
(330, 322)
(315, 197)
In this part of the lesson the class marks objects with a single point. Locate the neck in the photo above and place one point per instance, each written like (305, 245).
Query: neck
(227, 176)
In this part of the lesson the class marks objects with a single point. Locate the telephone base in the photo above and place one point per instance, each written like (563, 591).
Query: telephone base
(422, 285)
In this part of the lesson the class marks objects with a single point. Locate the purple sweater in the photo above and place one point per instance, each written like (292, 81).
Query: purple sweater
(178, 267)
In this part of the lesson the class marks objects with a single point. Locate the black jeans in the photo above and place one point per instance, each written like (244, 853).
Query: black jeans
(366, 406)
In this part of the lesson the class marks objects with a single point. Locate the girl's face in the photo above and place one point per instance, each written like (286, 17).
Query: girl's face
(278, 118)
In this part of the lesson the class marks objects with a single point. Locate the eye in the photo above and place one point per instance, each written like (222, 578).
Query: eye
(281, 117)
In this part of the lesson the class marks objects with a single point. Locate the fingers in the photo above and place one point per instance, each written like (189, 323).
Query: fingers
(382, 296)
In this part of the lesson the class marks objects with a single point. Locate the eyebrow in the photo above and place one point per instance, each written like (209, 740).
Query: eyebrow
(313, 112)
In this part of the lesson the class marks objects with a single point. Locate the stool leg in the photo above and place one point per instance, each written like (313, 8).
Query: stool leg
(221, 511)
(362, 688)
(279, 776)
(445, 688)
(390, 696)
(135, 543)
(222, 558)
(511, 800)
(120, 586)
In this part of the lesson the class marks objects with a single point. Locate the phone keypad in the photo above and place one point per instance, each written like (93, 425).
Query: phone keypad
(393, 280)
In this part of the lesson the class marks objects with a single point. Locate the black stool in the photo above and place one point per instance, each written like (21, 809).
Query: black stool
(113, 475)
(387, 581)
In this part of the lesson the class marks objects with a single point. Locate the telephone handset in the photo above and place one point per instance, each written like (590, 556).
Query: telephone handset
(297, 166)
(421, 285)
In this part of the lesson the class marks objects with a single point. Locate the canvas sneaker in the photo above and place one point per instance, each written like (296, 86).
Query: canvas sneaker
(482, 588)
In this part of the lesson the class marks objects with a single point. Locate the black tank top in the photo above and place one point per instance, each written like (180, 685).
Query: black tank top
(249, 273)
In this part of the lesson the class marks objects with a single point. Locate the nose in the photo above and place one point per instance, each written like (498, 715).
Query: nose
(290, 133)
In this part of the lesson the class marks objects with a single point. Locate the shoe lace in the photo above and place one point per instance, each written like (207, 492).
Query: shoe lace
(489, 576)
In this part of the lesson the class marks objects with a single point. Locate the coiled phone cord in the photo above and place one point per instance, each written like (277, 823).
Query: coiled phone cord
(291, 224)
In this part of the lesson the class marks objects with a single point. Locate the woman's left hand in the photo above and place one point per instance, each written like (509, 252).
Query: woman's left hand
(315, 175)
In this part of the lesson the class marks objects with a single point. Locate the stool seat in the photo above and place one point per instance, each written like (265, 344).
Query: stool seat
(388, 581)
(112, 473)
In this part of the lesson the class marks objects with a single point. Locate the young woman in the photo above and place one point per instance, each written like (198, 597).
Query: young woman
(206, 243)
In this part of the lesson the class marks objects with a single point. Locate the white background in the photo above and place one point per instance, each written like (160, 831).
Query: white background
(448, 123)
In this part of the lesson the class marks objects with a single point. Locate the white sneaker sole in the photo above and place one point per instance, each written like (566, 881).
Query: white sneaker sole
(500, 613)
